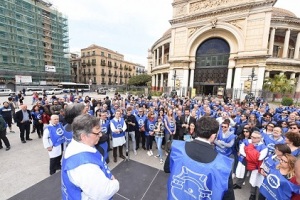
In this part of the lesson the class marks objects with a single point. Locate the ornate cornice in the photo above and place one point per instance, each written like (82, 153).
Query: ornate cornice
(220, 11)
(286, 20)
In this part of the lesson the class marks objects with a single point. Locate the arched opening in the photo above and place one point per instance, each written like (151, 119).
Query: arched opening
(211, 66)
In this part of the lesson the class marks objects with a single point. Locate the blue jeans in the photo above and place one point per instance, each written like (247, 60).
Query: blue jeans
(158, 141)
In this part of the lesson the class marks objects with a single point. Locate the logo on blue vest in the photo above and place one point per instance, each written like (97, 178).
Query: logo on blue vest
(120, 127)
(141, 122)
(59, 131)
(172, 125)
(103, 129)
(191, 184)
(273, 181)
(151, 127)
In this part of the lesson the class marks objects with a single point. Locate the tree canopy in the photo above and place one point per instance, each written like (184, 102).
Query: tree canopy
(279, 84)
(139, 80)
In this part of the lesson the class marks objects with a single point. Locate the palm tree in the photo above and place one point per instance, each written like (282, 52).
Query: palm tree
(279, 84)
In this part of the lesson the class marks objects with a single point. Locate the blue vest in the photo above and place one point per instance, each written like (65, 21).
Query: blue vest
(270, 142)
(140, 120)
(118, 125)
(276, 186)
(150, 127)
(190, 179)
(91, 112)
(68, 189)
(56, 134)
(225, 151)
(68, 135)
(269, 163)
(171, 126)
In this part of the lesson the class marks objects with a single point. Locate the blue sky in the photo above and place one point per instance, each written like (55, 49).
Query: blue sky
(129, 27)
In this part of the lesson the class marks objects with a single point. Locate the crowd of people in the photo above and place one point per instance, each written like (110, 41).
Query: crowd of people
(262, 143)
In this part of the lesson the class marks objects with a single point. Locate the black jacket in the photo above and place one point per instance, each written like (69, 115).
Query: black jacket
(19, 116)
(203, 153)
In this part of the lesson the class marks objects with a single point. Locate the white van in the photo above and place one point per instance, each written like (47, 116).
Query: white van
(6, 92)
(30, 91)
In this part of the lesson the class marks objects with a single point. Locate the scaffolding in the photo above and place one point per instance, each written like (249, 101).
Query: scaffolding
(32, 35)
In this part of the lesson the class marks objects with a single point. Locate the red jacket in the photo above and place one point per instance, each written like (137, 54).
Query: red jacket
(45, 118)
(295, 196)
(252, 156)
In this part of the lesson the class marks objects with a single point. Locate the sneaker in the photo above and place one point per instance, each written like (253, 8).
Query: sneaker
(161, 161)
(135, 153)
(11, 131)
(1, 147)
(149, 154)
(7, 148)
(157, 156)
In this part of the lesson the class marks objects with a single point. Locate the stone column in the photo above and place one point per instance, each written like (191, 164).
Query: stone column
(153, 82)
(161, 82)
(298, 84)
(293, 76)
(156, 82)
(170, 79)
(267, 74)
(229, 78)
(260, 79)
(237, 77)
(286, 43)
(271, 42)
(296, 53)
(163, 54)
(192, 74)
(157, 57)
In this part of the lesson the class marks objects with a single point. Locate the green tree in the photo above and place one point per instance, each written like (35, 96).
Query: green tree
(139, 80)
(279, 84)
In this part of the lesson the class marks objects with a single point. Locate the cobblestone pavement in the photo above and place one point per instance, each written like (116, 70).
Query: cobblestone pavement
(26, 164)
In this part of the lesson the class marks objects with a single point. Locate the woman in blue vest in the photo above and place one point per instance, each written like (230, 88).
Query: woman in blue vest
(149, 131)
(276, 184)
(36, 114)
(170, 128)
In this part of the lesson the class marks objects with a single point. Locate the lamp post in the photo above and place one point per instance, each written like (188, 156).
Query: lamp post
(252, 77)
(174, 78)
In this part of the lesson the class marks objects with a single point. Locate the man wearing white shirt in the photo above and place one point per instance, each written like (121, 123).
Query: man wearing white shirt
(85, 174)
(53, 143)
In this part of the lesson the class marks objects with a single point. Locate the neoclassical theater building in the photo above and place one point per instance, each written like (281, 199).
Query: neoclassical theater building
(225, 44)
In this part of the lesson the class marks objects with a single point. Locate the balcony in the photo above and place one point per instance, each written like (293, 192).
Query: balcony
(110, 74)
(126, 68)
(115, 75)
(94, 73)
(74, 66)
(129, 76)
(94, 63)
(83, 64)
(130, 69)
(116, 66)
(125, 76)
(109, 65)
(121, 76)
(88, 64)
(109, 83)
(103, 63)
(84, 74)
(102, 83)
(103, 74)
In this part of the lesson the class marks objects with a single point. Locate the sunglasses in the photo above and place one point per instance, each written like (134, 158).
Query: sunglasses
(293, 128)
(224, 126)
(246, 131)
(281, 160)
(255, 137)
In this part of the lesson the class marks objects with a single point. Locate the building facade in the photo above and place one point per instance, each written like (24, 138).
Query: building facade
(230, 45)
(33, 39)
(103, 66)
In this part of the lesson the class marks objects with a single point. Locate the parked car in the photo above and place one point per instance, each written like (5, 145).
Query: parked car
(101, 91)
(30, 91)
(6, 92)
(54, 91)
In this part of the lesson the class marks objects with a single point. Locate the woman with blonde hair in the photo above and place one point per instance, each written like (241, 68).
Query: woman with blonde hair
(170, 128)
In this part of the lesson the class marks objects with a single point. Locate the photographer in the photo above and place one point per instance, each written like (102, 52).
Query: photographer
(131, 123)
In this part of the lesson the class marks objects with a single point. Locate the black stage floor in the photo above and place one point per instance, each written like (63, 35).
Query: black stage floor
(137, 181)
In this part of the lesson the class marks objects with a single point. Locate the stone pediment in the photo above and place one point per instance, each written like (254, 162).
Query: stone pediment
(206, 5)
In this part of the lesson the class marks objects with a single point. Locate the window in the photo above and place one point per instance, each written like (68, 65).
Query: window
(83, 54)
(95, 80)
(109, 55)
(22, 60)
(102, 53)
(88, 53)
(94, 53)
(5, 59)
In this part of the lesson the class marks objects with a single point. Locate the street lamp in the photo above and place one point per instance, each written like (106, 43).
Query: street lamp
(174, 78)
(251, 78)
